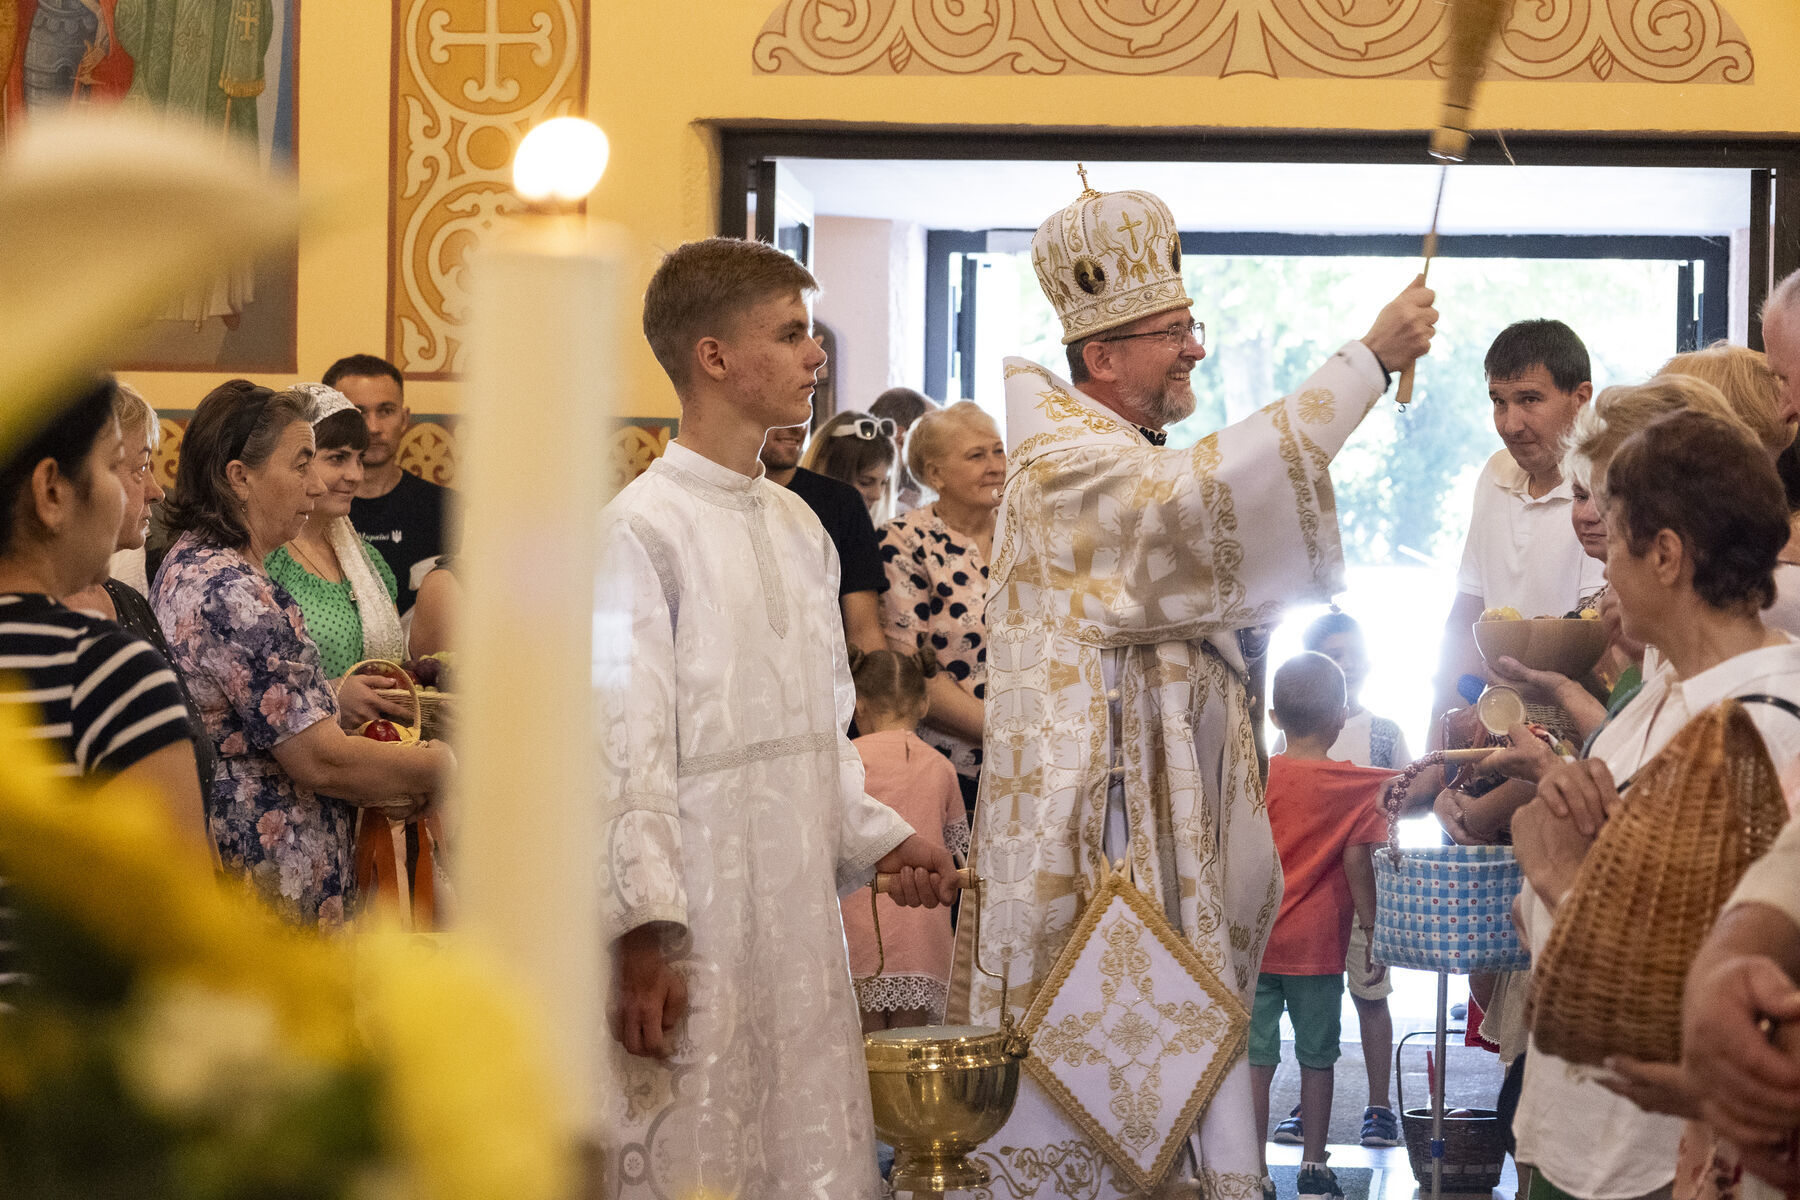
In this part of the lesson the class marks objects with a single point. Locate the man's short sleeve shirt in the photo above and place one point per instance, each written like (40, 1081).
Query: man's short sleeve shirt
(841, 511)
(1522, 550)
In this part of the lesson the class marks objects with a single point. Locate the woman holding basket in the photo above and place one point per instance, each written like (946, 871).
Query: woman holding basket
(346, 592)
(1692, 566)
(245, 486)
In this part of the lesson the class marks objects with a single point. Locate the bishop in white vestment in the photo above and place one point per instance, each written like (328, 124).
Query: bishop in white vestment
(737, 819)
(1118, 725)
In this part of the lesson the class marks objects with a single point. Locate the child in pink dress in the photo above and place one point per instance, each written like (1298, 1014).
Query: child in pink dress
(918, 782)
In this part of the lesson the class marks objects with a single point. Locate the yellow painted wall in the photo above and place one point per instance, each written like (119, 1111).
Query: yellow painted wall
(661, 72)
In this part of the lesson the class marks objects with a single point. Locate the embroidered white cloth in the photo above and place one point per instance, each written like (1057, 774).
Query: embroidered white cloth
(736, 815)
(1120, 574)
(1131, 1033)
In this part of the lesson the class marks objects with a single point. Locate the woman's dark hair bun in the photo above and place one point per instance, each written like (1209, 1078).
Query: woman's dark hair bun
(928, 663)
(856, 657)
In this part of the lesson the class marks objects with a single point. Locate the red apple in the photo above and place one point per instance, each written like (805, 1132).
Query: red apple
(380, 731)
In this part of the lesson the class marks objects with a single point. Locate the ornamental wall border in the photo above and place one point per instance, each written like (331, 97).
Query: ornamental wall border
(1568, 41)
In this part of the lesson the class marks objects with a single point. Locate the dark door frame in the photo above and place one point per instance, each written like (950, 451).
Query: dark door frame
(951, 335)
(1774, 220)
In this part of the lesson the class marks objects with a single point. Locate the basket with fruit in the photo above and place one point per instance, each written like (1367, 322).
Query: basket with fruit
(381, 848)
(425, 681)
(1567, 645)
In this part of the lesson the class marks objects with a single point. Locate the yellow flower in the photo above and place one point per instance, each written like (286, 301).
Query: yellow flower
(465, 1084)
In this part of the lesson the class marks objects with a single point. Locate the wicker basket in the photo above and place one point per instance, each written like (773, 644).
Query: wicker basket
(1444, 908)
(381, 843)
(410, 694)
(1474, 1147)
(433, 706)
(1697, 815)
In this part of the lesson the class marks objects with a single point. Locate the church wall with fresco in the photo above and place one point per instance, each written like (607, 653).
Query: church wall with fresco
(404, 116)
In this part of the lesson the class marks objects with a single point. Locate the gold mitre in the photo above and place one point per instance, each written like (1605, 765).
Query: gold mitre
(1108, 259)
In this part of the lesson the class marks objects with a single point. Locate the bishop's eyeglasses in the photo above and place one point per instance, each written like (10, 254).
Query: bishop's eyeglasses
(1175, 335)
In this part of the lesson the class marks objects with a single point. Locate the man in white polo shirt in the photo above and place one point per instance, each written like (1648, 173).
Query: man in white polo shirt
(1522, 551)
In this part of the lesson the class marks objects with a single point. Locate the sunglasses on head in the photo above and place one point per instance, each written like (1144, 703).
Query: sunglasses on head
(867, 428)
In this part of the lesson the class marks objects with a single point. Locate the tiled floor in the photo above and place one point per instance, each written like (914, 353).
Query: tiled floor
(1397, 1181)
(1414, 1006)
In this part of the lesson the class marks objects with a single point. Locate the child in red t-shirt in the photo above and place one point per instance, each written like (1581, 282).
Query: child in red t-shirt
(1325, 816)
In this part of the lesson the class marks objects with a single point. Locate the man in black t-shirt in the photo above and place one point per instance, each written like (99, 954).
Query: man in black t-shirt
(400, 514)
(840, 509)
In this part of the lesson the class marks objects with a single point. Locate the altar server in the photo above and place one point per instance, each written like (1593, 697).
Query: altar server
(1118, 722)
(735, 813)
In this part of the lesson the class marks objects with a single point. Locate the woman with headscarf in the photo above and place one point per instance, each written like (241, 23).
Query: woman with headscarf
(343, 587)
(346, 593)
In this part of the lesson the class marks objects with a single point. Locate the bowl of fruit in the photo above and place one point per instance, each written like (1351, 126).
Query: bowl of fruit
(427, 677)
(1567, 645)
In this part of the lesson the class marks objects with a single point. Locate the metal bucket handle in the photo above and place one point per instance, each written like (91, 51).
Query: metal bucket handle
(968, 881)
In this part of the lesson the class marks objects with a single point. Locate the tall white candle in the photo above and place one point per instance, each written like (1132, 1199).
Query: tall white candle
(533, 446)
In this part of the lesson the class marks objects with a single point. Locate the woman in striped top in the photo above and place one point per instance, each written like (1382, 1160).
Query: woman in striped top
(101, 695)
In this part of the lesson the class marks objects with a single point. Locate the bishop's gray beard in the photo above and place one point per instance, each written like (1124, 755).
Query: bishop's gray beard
(1168, 405)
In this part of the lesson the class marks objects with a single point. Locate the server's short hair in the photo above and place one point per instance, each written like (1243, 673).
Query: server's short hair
(700, 289)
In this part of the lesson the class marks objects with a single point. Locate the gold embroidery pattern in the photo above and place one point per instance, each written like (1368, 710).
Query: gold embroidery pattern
(1317, 406)
(1296, 473)
(1227, 551)
(1133, 1035)
(1228, 1185)
(1071, 1170)
(1060, 406)
(1621, 41)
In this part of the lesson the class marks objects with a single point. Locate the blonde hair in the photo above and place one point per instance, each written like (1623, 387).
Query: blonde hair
(1749, 387)
(134, 413)
(1618, 412)
(930, 435)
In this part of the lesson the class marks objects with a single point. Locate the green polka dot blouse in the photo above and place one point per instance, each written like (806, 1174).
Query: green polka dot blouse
(329, 608)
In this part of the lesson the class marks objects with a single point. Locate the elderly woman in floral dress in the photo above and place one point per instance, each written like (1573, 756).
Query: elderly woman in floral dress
(245, 486)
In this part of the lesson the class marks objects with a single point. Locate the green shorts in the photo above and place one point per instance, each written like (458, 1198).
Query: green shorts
(1313, 1002)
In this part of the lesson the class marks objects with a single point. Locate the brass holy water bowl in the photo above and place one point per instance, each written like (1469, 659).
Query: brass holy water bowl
(939, 1091)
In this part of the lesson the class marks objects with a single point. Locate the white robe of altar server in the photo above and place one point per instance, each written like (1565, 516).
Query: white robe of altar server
(736, 814)
(1120, 574)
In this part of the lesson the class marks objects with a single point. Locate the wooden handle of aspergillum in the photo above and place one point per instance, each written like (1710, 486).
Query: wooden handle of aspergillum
(885, 883)
(1403, 394)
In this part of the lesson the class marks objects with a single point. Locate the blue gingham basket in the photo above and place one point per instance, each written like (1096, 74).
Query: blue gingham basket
(1448, 908)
